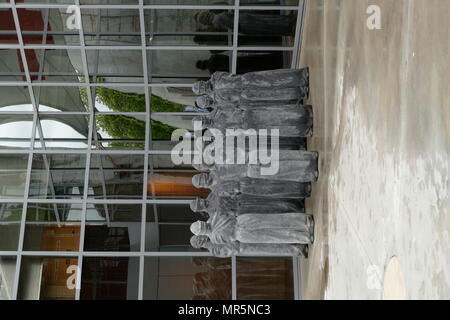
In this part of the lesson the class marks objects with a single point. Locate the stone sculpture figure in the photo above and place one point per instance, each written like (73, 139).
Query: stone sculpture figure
(257, 249)
(257, 228)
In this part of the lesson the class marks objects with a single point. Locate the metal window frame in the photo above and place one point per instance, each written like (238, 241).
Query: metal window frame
(147, 84)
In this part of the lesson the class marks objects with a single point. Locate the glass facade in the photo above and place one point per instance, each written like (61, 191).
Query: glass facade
(91, 205)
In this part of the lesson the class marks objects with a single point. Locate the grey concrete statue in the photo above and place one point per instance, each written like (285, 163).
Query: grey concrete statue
(290, 120)
(257, 228)
(303, 169)
(260, 249)
(277, 189)
(242, 204)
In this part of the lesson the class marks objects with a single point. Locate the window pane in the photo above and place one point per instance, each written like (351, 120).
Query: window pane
(7, 273)
(172, 231)
(264, 278)
(10, 218)
(61, 98)
(249, 61)
(46, 26)
(267, 28)
(46, 278)
(13, 172)
(62, 131)
(57, 176)
(115, 65)
(116, 176)
(111, 27)
(119, 132)
(202, 278)
(14, 98)
(54, 64)
(7, 27)
(43, 232)
(113, 227)
(190, 2)
(175, 66)
(15, 131)
(11, 66)
(180, 27)
(110, 278)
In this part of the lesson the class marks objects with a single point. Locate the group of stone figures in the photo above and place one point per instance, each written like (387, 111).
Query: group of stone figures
(250, 213)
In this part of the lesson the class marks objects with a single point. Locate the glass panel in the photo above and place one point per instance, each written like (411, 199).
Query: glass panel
(47, 26)
(180, 27)
(116, 176)
(173, 99)
(171, 232)
(135, 2)
(119, 132)
(115, 65)
(14, 98)
(47, 278)
(15, 131)
(7, 273)
(120, 99)
(174, 184)
(54, 64)
(268, 2)
(190, 2)
(264, 278)
(62, 131)
(11, 66)
(8, 34)
(116, 27)
(267, 28)
(110, 278)
(175, 66)
(113, 227)
(44, 233)
(202, 278)
(61, 98)
(249, 61)
(57, 176)
(10, 218)
(13, 172)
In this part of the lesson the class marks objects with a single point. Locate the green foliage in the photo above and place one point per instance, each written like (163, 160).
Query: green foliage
(124, 127)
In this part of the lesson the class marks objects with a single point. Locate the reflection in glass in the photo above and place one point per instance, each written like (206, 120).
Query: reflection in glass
(14, 98)
(12, 175)
(15, 130)
(7, 27)
(110, 278)
(10, 218)
(115, 65)
(62, 131)
(46, 26)
(264, 278)
(7, 273)
(113, 227)
(11, 66)
(119, 132)
(179, 27)
(46, 278)
(61, 98)
(199, 278)
(54, 64)
(116, 176)
(57, 176)
(111, 26)
(175, 66)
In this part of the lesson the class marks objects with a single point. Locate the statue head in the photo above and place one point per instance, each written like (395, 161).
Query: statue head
(204, 17)
(200, 228)
(202, 87)
(202, 180)
(204, 102)
(199, 241)
(199, 205)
